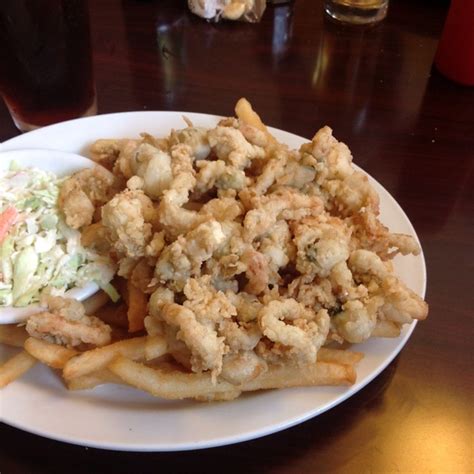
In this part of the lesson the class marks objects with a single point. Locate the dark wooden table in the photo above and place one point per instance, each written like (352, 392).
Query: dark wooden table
(408, 126)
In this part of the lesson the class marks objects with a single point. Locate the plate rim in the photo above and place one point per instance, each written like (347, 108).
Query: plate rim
(251, 433)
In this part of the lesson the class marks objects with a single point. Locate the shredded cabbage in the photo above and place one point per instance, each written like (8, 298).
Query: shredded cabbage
(40, 251)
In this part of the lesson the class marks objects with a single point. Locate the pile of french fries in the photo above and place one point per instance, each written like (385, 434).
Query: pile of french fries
(142, 362)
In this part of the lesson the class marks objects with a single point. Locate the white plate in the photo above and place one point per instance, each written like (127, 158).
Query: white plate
(62, 164)
(121, 418)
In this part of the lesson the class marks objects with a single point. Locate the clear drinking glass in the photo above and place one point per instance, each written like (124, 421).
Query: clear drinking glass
(360, 12)
(45, 61)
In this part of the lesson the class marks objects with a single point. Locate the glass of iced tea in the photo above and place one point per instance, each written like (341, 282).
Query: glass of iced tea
(359, 12)
(45, 61)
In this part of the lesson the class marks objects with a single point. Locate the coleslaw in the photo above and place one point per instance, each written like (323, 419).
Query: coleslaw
(38, 250)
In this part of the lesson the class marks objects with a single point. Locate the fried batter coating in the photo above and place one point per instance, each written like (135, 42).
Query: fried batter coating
(351, 194)
(357, 320)
(321, 244)
(291, 324)
(220, 175)
(207, 303)
(172, 216)
(85, 190)
(195, 138)
(315, 294)
(139, 158)
(225, 263)
(277, 245)
(333, 157)
(206, 347)
(106, 151)
(389, 299)
(223, 209)
(370, 234)
(230, 145)
(343, 285)
(184, 257)
(285, 203)
(271, 171)
(256, 270)
(346, 190)
(285, 168)
(97, 237)
(196, 321)
(240, 336)
(298, 172)
(67, 324)
(242, 367)
(247, 305)
(251, 133)
(128, 217)
(255, 254)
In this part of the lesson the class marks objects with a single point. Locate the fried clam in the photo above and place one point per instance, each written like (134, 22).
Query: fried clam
(313, 293)
(389, 299)
(195, 138)
(220, 175)
(105, 151)
(242, 367)
(174, 218)
(370, 234)
(284, 168)
(196, 322)
(231, 146)
(151, 164)
(85, 191)
(300, 330)
(321, 244)
(65, 323)
(344, 189)
(285, 203)
(128, 217)
(184, 257)
(278, 246)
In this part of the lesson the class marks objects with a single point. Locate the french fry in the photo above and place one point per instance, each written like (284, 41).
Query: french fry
(97, 359)
(88, 381)
(13, 335)
(386, 329)
(178, 385)
(155, 346)
(244, 111)
(137, 306)
(50, 354)
(339, 356)
(320, 373)
(15, 367)
(165, 384)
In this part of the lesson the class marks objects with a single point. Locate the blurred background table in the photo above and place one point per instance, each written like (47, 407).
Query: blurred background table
(408, 126)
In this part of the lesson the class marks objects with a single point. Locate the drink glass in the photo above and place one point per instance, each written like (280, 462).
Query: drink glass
(455, 55)
(45, 61)
(360, 12)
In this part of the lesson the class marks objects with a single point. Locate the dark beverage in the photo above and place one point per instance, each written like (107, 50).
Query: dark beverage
(45, 61)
